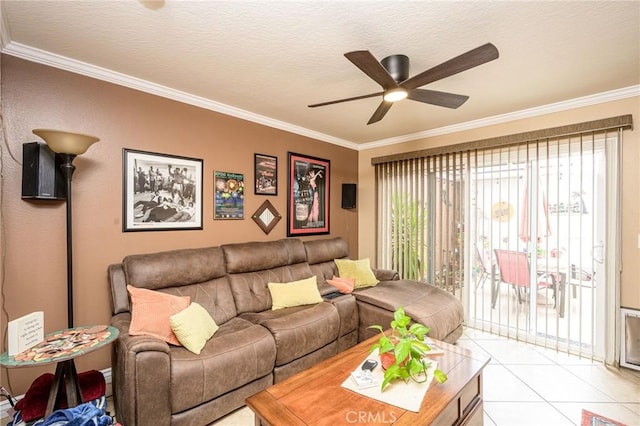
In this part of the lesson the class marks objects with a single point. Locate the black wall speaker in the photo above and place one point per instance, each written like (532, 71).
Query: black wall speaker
(348, 195)
(42, 177)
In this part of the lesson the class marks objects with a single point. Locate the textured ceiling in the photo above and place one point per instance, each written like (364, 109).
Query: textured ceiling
(268, 60)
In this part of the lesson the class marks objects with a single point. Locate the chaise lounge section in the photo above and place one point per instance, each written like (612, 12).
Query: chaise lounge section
(156, 383)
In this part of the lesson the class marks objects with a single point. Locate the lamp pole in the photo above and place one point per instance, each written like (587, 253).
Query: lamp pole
(67, 170)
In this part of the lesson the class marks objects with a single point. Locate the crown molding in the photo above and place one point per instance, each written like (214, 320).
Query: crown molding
(598, 98)
(83, 68)
(61, 62)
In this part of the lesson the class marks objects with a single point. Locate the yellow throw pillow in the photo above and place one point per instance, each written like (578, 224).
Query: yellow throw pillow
(295, 293)
(360, 270)
(150, 312)
(193, 327)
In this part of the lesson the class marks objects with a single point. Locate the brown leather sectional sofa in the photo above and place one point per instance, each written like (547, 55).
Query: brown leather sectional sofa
(155, 383)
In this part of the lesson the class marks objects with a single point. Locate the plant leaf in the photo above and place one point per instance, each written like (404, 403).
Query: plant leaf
(399, 314)
(440, 376)
(402, 351)
(419, 330)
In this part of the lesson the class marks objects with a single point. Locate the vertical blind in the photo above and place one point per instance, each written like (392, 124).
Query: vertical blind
(542, 196)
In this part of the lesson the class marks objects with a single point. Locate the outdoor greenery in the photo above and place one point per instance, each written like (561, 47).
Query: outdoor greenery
(408, 222)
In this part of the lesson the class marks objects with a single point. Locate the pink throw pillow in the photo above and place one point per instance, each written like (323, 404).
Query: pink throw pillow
(344, 285)
(150, 312)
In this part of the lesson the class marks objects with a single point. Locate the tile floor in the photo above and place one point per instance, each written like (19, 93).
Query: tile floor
(526, 385)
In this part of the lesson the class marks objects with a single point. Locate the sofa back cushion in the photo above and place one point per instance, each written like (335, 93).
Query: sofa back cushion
(198, 273)
(320, 255)
(250, 266)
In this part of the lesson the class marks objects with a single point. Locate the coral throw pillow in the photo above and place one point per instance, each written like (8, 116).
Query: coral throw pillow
(150, 312)
(360, 270)
(344, 285)
(193, 327)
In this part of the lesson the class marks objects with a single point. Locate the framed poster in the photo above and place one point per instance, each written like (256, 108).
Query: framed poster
(265, 174)
(307, 195)
(229, 195)
(161, 192)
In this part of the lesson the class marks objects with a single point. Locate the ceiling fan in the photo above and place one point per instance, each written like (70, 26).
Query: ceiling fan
(392, 73)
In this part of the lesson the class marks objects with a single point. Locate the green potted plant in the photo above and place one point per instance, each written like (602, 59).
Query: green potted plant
(402, 352)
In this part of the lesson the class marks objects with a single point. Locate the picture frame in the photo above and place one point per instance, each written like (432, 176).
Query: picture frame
(161, 192)
(308, 183)
(228, 199)
(266, 217)
(265, 174)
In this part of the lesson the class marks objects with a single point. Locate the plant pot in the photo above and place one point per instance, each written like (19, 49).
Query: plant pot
(387, 359)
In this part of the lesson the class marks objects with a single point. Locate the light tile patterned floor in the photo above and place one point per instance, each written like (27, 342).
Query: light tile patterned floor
(526, 385)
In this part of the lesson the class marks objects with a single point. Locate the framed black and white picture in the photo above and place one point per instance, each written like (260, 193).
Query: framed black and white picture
(161, 192)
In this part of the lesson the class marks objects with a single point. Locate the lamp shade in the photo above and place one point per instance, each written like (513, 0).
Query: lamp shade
(66, 142)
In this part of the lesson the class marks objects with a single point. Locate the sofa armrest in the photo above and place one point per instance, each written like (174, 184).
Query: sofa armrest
(141, 376)
(386, 274)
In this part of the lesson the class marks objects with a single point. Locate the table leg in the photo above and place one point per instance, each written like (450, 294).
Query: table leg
(65, 370)
(562, 279)
(494, 287)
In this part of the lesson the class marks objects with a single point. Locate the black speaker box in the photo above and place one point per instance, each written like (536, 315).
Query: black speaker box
(42, 178)
(348, 195)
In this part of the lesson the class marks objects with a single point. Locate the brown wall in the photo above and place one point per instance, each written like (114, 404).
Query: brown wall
(37, 96)
(630, 172)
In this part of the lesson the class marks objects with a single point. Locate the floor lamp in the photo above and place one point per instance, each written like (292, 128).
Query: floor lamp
(68, 146)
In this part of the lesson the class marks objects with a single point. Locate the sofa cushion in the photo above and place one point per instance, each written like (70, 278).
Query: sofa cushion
(193, 327)
(325, 250)
(174, 268)
(295, 293)
(214, 295)
(360, 270)
(300, 330)
(239, 353)
(320, 256)
(258, 256)
(252, 265)
(424, 303)
(150, 313)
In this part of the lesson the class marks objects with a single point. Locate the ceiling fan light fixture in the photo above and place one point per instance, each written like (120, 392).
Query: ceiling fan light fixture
(395, 95)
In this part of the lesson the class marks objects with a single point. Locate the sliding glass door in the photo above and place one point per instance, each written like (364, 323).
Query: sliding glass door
(537, 224)
(524, 234)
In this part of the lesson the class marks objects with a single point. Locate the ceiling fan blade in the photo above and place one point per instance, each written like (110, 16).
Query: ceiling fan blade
(369, 65)
(473, 58)
(355, 98)
(443, 99)
(382, 110)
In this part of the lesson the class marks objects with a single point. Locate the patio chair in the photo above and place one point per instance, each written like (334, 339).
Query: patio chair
(515, 270)
(483, 273)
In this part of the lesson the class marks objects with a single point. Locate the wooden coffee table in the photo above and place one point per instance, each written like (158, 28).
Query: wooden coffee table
(316, 397)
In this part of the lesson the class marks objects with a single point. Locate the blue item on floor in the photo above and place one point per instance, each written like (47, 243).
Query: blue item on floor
(91, 413)
(85, 414)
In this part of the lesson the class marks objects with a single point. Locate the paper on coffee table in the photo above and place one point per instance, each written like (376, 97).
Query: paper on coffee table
(407, 396)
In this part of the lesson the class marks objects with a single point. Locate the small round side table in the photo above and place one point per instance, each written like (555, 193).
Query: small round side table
(63, 347)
